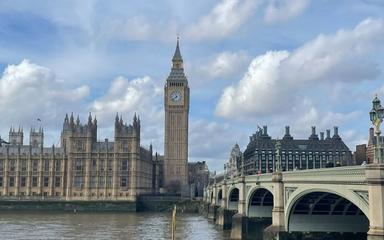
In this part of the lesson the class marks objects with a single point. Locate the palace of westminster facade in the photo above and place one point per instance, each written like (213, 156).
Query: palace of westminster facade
(82, 168)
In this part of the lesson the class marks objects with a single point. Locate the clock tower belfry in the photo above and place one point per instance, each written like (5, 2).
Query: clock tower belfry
(176, 105)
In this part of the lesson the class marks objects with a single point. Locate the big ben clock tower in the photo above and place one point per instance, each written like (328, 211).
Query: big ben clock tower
(176, 105)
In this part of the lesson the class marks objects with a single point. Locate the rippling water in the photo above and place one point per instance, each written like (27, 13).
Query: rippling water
(141, 226)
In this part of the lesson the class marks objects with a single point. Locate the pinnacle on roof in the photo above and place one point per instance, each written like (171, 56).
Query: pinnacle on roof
(177, 54)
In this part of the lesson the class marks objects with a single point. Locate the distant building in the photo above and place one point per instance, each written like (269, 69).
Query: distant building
(314, 152)
(198, 178)
(360, 155)
(233, 167)
(371, 145)
(82, 168)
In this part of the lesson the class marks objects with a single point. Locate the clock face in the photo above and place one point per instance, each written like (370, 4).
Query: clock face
(175, 96)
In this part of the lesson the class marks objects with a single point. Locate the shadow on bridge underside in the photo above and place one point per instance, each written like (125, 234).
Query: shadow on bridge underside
(326, 212)
(260, 204)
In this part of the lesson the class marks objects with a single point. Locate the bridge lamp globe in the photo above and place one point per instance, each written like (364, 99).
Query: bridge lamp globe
(372, 116)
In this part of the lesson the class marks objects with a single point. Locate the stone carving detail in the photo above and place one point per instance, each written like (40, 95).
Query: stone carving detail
(288, 192)
(364, 195)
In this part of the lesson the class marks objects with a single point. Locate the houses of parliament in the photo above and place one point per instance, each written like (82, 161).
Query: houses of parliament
(83, 168)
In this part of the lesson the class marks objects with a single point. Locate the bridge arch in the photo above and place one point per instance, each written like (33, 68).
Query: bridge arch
(325, 210)
(260, 202)
(233, 198)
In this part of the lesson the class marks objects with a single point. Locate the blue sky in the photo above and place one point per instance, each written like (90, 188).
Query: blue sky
(249, 62)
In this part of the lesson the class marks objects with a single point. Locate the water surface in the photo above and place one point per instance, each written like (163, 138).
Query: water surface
(141, 226)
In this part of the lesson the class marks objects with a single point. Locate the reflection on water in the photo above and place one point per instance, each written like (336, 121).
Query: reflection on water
(142, 226)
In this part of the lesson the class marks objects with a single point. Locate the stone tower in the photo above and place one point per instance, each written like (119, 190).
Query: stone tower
(16, 137)
(36, 137)
(176, 105)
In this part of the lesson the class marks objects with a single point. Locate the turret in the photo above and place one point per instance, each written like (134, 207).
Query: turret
(36, 138)
(16, 137)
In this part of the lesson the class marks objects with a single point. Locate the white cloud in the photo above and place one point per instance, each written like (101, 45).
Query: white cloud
(275, 81)
(224, 19)
(212, 141)
(29, 91)
(283, 10)
(224, 65)
(126, 97)
(136, 28)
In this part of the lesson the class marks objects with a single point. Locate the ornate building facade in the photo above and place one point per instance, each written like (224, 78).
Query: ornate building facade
(176, 105)
(81, 168)
(233, 167)
(314, 152)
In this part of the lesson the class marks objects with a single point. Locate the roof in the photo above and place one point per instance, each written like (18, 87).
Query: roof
(177, 55)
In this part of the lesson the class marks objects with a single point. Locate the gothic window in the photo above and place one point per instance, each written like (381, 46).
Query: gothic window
(46, 181)
(35, 165)
(79, 145)
(102, 164)
(94, 164)
(110, 163)
(93, 181)
(12, 165)
(57, 181)
(1, 181)
(23, 181)
(101, 182)
(79, 164)
(23, 165)
(1, 165)
(34, 181)
(57, 165)
(46, 165)
(11, 181)
(109, 181)
(124, 165)
(123, 182)
(78, 181)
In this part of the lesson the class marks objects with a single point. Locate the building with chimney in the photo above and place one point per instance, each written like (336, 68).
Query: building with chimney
(311, 153)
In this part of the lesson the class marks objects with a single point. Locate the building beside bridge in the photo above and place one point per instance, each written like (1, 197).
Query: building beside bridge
(233, 167)
(82, 168)
(296, 154)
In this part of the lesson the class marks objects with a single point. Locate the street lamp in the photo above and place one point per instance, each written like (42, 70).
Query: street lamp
(376, 115)
(278, 159)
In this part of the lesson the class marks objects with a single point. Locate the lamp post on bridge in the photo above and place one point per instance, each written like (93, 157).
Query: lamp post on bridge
(278, 158)
(376, 115)
(375, 178)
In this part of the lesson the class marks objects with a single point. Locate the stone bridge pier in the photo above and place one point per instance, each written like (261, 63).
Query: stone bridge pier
(375, 181)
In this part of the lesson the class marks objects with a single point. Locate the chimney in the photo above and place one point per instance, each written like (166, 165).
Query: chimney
(265, 130)
(313, 135)
(287, 130)
(321, 135)
(336, 131)
(328, 134)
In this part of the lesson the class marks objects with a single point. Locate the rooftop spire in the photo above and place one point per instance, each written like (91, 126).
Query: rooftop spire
(177, 59)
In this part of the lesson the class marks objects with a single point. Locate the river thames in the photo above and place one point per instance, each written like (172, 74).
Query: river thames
(140, 226)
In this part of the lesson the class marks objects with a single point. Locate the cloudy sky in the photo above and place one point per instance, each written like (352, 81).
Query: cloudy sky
(249, 63)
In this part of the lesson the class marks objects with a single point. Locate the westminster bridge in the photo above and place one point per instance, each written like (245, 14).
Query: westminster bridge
(340, 199)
